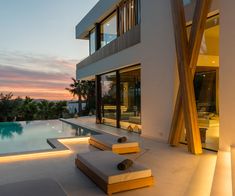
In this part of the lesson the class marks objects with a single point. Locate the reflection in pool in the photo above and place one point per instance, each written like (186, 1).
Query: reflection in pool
(8, 129)
(33, 135)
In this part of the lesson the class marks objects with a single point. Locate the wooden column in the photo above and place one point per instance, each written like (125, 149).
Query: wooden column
(199, 21)
(186, 78)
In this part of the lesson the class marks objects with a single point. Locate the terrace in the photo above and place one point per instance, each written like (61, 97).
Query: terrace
(176, 171)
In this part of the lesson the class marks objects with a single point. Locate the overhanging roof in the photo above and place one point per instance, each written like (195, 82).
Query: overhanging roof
(96, 14)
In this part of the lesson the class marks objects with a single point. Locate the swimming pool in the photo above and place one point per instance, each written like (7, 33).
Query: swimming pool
(32, 135)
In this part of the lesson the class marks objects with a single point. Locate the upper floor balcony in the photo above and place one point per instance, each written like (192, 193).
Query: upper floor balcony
(112, 31)
(122, 42)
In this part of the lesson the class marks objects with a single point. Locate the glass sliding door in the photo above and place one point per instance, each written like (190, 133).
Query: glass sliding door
(108, 99)
(205, 91)
(120, 99)
(206, 85)
(130, 107)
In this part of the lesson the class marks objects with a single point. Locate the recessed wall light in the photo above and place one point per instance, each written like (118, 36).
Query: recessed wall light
(215, 21)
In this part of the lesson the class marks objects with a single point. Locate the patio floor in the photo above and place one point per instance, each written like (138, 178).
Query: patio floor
(176, 171)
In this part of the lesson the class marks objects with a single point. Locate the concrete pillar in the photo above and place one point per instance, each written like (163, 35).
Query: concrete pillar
(227, 74)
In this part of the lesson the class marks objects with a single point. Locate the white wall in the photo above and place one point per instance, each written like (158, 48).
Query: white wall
(227, 74)
(156, 53)
(158, 61)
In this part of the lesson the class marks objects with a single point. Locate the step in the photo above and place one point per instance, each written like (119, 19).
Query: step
(222, 181)
(202, 178)
(233, 168)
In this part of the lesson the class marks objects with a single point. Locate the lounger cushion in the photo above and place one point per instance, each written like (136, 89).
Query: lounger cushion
(111, 141)
(104, 164)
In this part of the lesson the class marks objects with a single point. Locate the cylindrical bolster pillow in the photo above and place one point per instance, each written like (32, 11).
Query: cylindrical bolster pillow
(122, 139)
(125, 164)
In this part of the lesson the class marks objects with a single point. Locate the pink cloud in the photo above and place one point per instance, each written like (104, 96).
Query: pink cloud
(36, 76)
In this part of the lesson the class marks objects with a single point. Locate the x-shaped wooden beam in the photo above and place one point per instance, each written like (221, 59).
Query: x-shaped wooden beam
(185, 113)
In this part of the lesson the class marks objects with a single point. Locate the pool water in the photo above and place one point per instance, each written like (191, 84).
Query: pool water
(32, 135)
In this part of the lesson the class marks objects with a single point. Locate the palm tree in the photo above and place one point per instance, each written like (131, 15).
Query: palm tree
(89, 95)
(76, 89)
(60, 108)
(28, 109)
(6, 106)
(45, 109)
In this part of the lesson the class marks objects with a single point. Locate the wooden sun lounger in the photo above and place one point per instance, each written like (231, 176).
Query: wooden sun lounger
(109, 142)
(101, 167)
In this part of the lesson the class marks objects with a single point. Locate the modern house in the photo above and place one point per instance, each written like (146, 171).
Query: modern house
(133, 60)
(163, 69)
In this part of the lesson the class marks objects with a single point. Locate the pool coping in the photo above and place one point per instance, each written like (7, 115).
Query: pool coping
(99, 131)
(55, 143)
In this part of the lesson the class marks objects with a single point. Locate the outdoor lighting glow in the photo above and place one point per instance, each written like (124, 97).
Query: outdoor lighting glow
(37, 155)
(74, 140)
(33, 156)
(213, 62)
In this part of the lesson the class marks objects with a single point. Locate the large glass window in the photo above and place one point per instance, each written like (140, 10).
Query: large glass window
(129, 15)
(124, 18)
(206, 85)
(120, 103)
(108, 99)
(108, 29)
(205, 91)
(92, 41)
(130, 99)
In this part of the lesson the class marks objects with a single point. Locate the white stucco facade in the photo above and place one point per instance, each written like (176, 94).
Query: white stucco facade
(227, 73)
(159, 83)
(157, 68)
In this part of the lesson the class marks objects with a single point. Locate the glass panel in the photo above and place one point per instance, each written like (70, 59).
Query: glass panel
(108, 29)
(138, 11)
(92, 41)
(187, 2)
(129, 15)
(205, 91)
(108, 99)
(130, 99)
(206, 85)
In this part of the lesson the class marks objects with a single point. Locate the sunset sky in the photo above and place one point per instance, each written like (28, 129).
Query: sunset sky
(38, 49)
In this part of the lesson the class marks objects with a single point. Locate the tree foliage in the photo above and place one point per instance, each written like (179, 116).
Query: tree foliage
(27, 109)
(85, 91)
